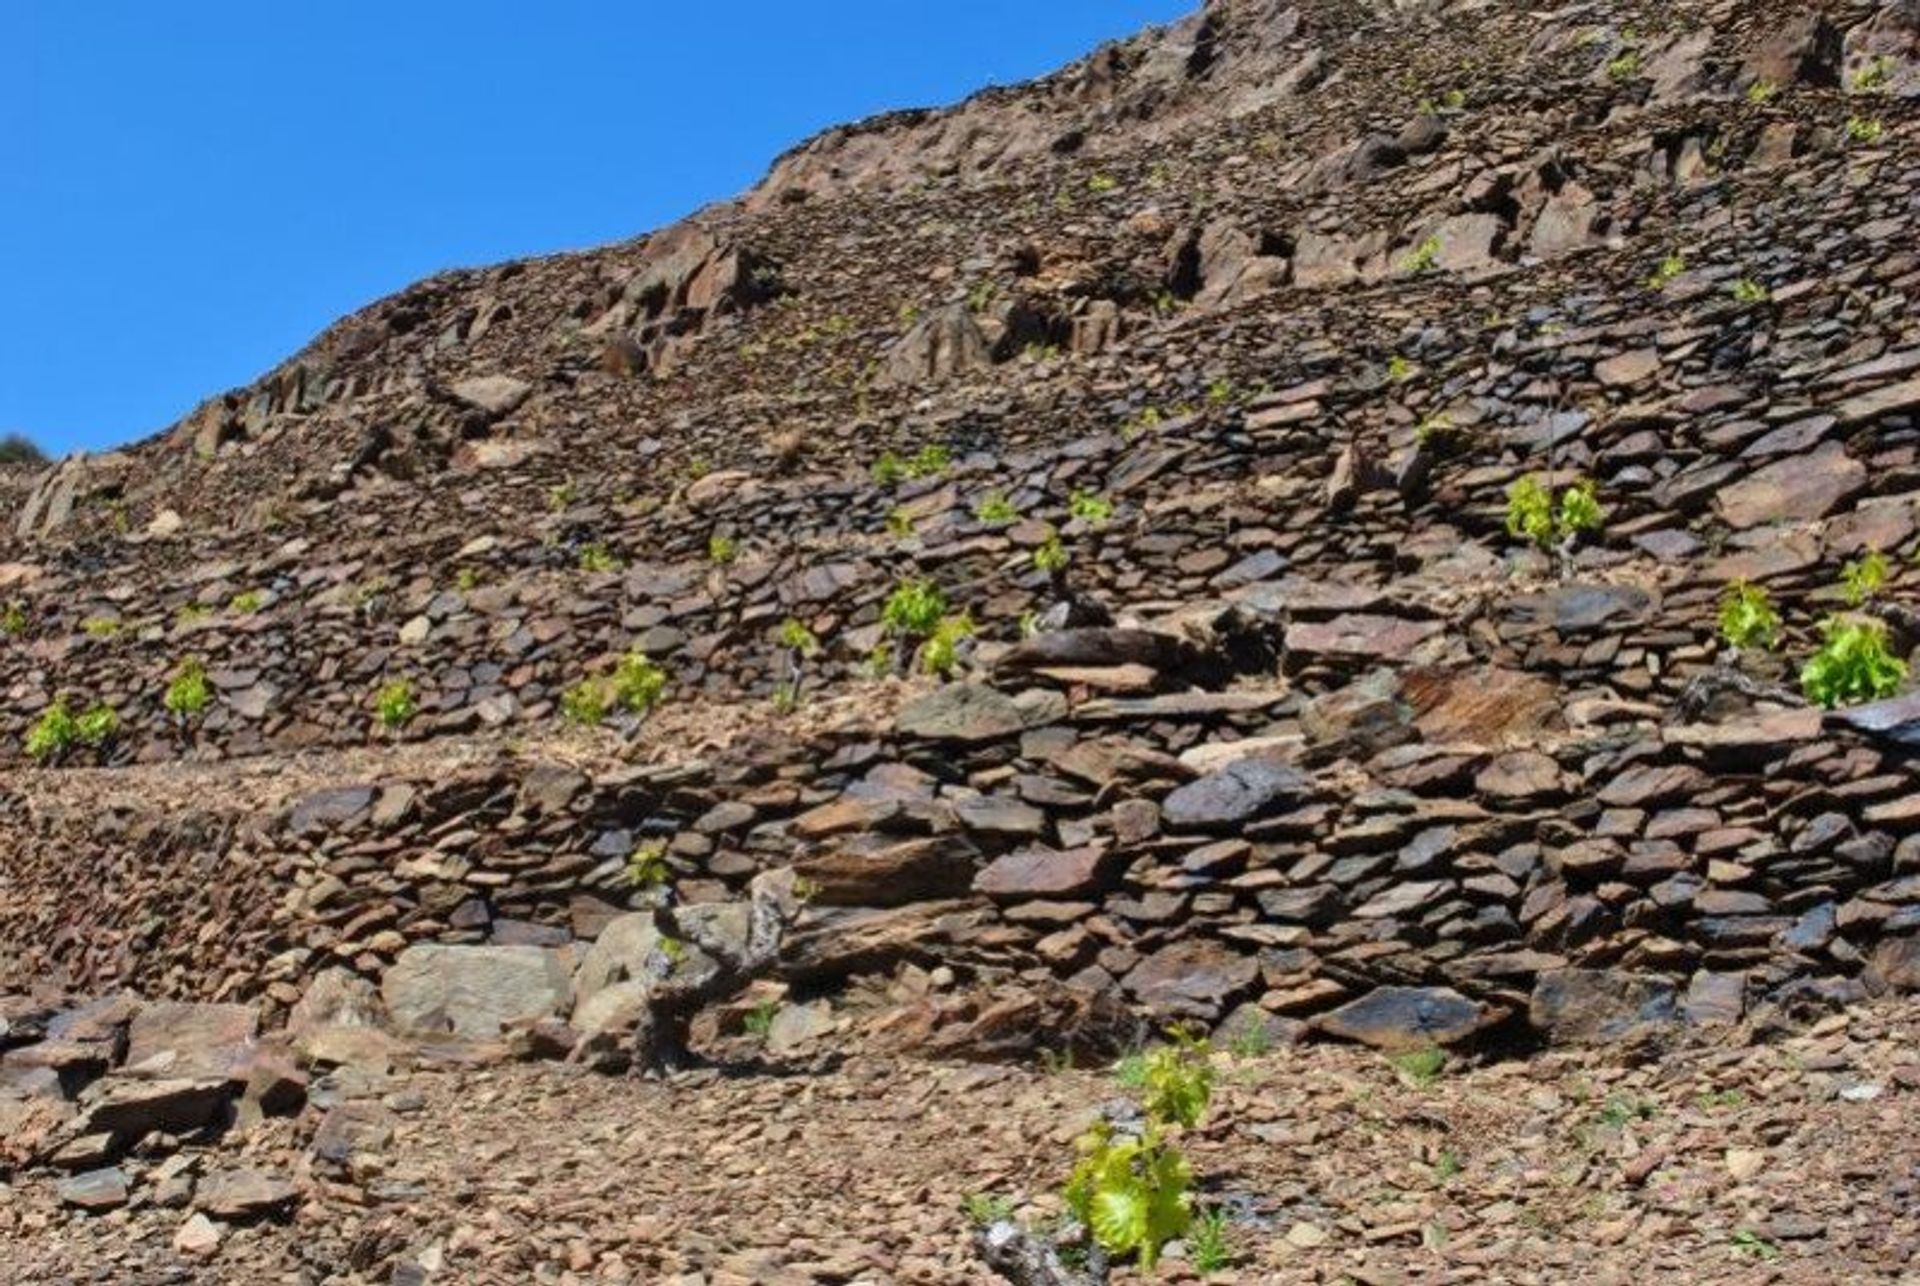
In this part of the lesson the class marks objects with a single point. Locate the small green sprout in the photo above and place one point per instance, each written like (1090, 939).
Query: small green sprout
(913, 609)
(1424, 257)
(1875, 76)
(1747, 617)
(187, 695)
(466, 580)
(1051, 556)
(995, 510)
(562, 496)
(647, 865)
(247, 602)
(1209, 1249)
(1752, 1245)
(1219, 393)
(1748, 292)
(13, 619)
(899, 524)
(1624, 66)
(596, 558)
(722, 550)
(1670, 267)
(1101, 184)
(888, 470)
(1762, 91)
(1865, 129)
(985, 1210)
(930, 461)
(1091, 509)
(1420, 1068)
(759, 1020)
(795, 636)
(1862, 579)
(1399, 369)
(395, 704)
(102, 627)
(1533, 515)
(941, 652)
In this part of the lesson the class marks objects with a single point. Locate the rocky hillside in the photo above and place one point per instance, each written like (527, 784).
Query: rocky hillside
(1308, 521)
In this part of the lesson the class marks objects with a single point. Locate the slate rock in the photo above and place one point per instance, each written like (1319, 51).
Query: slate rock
(472, 991)
(964, 712)
(1197, 978)
(1232, 796)
(1040, 872)
(1599, 1006)
(1403, 1018)
(96, 1191)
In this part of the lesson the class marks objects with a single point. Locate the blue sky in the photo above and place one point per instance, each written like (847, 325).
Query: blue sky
(190, 190)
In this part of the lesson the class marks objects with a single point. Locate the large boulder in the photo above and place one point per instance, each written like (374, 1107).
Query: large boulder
(471, 991)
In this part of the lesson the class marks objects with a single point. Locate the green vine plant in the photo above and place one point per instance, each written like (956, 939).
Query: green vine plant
(188, 693)
(801, 644)
(395, 705)
(1132, 1192)
(1854, 664)
(1553, 525)
(1748, 621)
(58, 730)
(635, 686)
(1862, 579)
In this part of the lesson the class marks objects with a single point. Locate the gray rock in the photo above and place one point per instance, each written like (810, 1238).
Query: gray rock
(473, 991)
(1599, 1006)
(1403, 1018)
(967, 712)
(1232, 796)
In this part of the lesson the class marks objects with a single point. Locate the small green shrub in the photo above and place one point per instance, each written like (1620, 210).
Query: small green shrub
(102, 627)
(587, 702)
(596, 558)
(722, 550)
(1669, 268)
(941, 652)
(1101, 184)
(899, 524)
(1852, 665)
(1051, 556)
(888, 469)
(1862, 579)
(930, 461)
(59, 730)
(1424, 257)
(246, 602)
(1749, 292)
(635, 685)
(1219, 393)
(1762, 91)
(1399, 369)
(1176, 1082)
(995, 510)
(1865, 129)
(1747, 617)
(1752, 1245)
(187, 695)
(1624, 66)
(395, 704)
(1533, 515)
(1132, 1194)
(795, 635)
(13, 619)
(913, 609)
(1874, 77)
(647, 865)
(466, 580)
(1093, 510)
(562, 496)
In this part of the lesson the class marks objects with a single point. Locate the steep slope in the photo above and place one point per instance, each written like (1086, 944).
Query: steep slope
(1247, 328)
